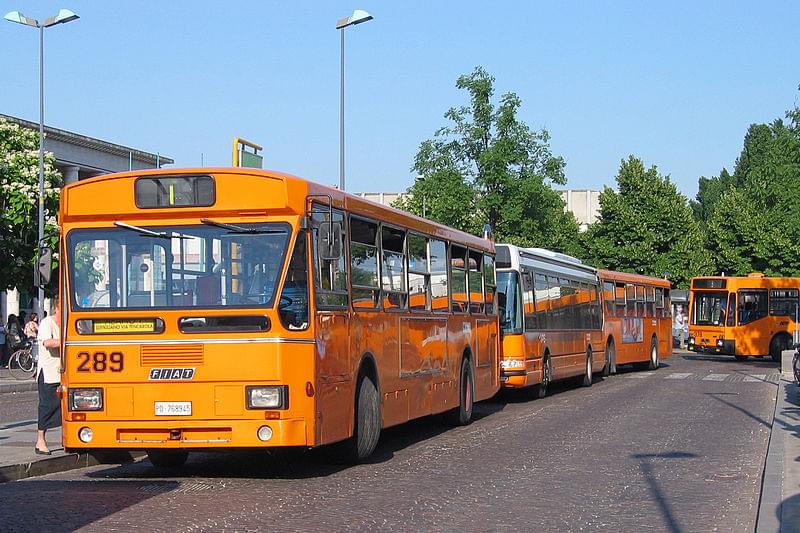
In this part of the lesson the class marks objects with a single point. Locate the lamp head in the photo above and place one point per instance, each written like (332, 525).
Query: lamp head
(19, 18)
(358, 16)
(64, 16)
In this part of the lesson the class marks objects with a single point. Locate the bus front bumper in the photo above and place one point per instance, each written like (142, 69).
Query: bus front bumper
(720, 346)
(185, 434)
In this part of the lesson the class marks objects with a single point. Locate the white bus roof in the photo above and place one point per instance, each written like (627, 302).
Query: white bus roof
(543, 261)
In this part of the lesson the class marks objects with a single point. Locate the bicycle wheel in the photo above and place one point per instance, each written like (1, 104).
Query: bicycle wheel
(21, 364)
(796, 367)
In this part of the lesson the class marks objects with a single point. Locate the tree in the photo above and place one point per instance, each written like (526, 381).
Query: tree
(753, 225)
(646, 228)
(488, 167)
(19, 192)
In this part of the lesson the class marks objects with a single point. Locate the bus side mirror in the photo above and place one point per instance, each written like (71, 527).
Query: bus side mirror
(330, 241)
(44, 266)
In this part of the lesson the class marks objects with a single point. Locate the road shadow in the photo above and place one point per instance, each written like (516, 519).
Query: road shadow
(72, 504)
(646, 463)
(716, 396)
(761, 363)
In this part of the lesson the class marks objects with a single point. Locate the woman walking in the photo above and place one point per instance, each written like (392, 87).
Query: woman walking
(49, 377)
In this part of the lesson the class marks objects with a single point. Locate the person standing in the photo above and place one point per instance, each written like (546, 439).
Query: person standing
(679, 322)
(13, 335)
(49, 377)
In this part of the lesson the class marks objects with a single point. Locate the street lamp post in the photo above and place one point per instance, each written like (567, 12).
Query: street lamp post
(357, 17)
(64, 16)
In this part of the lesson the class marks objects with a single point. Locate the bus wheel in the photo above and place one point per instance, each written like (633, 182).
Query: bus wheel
(367, 426)
(777, 345)
(740, 357)
(462, 415)
(611, 359)
(587, 378)
(167, 458)
(653, 355)
(547, 376)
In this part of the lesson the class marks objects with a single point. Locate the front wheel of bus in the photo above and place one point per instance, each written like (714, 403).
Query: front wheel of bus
(777, 345)
(587, 378)
(547, 376)
(167, 458)
(367, 424)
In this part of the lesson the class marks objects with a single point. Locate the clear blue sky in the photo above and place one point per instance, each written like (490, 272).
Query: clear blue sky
(676, 83)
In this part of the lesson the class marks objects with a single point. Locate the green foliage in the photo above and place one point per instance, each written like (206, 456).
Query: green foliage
(753, 223)
(19, 191)
(487, 167)
(647, 228)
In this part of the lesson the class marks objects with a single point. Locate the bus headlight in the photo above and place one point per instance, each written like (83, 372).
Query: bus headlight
(719, 342)
(507, 364)
(267, 397)
(691, 340)
(85, 399)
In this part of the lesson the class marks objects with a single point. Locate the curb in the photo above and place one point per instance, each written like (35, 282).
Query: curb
(63, 463)
(771, 498)
(22, 386)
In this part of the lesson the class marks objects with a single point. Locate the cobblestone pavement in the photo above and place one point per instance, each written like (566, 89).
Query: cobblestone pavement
(678, 449)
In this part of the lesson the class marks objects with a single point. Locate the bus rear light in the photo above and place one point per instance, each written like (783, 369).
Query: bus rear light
(78, 417)
(309, 389)
(86, 399)
(272, 415)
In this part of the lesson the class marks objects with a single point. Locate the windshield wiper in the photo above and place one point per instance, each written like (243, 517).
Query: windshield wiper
(150, 233)
(232, 228)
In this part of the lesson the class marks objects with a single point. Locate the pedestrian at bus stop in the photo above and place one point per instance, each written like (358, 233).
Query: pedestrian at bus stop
(3, 349)
(679, 322)
(13, 335)
(48, 378)
(31, 331)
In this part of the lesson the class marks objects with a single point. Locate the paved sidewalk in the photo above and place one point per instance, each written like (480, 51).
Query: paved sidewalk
(779, 510)
(9, 384)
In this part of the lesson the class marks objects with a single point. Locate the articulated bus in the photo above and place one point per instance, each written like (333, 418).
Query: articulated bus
(229, 308)
(550, 318)
(637, 320)
(743, 316)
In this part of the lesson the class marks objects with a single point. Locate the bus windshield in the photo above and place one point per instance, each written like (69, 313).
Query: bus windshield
(176, 267)
(709, 308)
(509, 300)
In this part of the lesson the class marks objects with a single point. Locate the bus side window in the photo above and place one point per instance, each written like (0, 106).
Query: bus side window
(393, 268)
(293, 303)
(528, 306)
(438, 267)
(419, 277)
(752, 305)
(489, 284)
(542, 300)
(620, 299)
(458, 278)
(364, 281)
(330, 276)
(475, 282)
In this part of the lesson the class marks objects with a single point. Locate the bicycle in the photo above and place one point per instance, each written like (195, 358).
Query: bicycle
(22, 365)
(796, 364)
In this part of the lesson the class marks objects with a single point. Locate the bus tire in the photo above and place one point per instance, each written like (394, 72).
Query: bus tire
(653, 363)
(779, 342)
(611, 359)
(167, 458)
(462, 415)
(366, 423)
(740, 357)
(547, 376)
(587, 378)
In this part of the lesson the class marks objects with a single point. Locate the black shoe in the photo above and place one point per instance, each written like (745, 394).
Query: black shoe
(37, 451)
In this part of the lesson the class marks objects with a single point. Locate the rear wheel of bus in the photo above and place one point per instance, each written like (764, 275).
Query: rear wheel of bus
(611, 359)
(586, 381)
(462, 415)
(167, 458)
(653, 363)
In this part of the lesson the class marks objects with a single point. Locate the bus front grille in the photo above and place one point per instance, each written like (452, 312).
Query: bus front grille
(171, 355)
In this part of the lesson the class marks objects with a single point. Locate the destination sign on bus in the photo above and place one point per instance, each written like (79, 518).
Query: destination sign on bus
(124, 326)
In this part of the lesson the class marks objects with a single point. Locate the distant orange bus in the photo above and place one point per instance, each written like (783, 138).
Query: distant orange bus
(637, 320)
(550, 318)
(230, 307)
(743, 316)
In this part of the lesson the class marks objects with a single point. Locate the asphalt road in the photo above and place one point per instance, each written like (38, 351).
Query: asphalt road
(678, 449)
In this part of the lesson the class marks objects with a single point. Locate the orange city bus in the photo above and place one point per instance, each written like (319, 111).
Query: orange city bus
(232, 307)
(550, 318)
(743, 316)
(637, 321)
